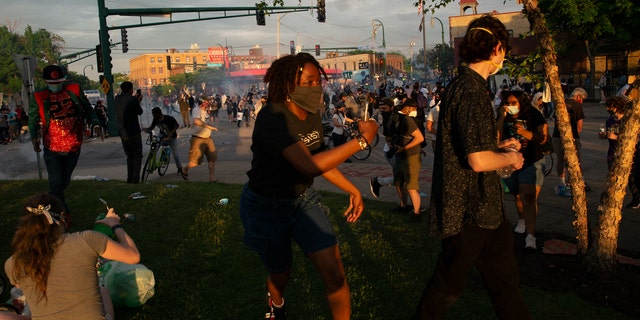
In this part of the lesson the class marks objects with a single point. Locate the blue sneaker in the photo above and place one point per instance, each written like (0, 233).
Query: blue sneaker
(562, 190)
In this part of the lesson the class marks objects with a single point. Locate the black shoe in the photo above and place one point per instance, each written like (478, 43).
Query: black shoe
(634, 204)
(415, 217)
(374, 187)
(405, 209)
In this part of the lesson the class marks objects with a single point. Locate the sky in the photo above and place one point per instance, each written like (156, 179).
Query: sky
(349, 23)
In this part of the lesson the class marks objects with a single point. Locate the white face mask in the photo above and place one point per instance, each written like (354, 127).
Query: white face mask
(513, 109)
(413, 114)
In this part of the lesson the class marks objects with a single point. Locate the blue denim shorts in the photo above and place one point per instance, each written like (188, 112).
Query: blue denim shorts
(270, 225)
(533, 174)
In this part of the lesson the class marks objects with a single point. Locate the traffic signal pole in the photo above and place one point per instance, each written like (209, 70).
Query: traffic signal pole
(228, 12)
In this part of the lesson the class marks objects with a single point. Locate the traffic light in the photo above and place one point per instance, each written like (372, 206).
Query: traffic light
(168, 62)
(317, 49)
(99, 58)
(125, 40)
(260, 18)
(321, 11)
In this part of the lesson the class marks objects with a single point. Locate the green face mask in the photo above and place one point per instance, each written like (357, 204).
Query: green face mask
(55, 88)
(307, 98)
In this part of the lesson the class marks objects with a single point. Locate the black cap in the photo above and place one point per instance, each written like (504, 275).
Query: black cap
(53, 74)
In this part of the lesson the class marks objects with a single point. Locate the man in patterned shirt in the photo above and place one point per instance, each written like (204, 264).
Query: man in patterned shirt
(466, 200)
(62, 108)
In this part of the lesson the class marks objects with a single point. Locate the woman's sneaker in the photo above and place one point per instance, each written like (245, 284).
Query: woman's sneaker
(530, 242)
(519, 227)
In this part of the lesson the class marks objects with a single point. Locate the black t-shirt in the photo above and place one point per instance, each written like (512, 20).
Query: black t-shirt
(167, 124)
(532, 119)
(576, 113)
(275, 129)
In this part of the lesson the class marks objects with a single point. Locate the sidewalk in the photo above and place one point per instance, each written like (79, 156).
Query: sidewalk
(106, 159)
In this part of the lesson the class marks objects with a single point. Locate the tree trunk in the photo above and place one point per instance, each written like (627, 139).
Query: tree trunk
(574, 172)
(601, 257)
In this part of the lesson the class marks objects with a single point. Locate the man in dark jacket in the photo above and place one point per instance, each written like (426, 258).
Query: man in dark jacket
(127, 111)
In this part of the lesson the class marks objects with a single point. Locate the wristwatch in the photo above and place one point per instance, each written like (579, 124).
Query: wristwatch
(362, 142)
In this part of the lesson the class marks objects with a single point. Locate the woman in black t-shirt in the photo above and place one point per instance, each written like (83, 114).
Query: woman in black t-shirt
(518, 119)
(278, 204)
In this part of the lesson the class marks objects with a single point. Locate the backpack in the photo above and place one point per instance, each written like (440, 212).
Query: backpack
(422, 101)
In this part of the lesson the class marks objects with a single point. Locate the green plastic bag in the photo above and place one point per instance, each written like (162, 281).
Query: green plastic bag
(130, 285)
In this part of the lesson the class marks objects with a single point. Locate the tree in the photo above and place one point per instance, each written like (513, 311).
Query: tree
(600, 25)
(441, 58)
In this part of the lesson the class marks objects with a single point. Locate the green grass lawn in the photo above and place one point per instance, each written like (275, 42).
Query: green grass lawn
(202, 271)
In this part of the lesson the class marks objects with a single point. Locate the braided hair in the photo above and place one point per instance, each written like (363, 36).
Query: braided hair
(284, 75)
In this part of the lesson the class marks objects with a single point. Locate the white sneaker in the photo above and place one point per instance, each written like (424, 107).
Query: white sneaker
(520, 227)
(530, 242)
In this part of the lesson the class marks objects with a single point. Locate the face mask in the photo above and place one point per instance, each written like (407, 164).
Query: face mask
(307, 98)
(498, 67)
(413, 114)
(55, 88)
(513, 109)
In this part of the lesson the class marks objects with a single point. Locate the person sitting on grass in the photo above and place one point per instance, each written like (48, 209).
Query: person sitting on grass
(56, 270)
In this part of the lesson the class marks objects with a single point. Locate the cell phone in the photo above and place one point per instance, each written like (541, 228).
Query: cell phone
(138, 92)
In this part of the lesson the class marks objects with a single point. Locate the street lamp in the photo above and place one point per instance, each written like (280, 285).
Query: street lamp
(384, 44)
(85, 68)
(441, 49)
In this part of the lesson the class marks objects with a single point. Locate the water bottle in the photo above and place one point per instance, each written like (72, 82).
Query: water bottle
(506, 172)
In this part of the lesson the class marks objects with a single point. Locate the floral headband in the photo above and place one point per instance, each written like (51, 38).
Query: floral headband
(52, 217)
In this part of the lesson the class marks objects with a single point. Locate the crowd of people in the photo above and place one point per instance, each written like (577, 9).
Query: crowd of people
(471, 140)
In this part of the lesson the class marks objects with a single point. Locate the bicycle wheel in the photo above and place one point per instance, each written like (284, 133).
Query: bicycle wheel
(375, 141)
(363, 154)
(548, 164)
(165, 159)
(148, 166)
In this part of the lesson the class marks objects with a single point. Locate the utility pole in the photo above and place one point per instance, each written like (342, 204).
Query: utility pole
(424, 42)
(411, 44)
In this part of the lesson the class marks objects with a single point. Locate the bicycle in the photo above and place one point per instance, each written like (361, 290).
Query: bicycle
(351, 132)
(153, 162)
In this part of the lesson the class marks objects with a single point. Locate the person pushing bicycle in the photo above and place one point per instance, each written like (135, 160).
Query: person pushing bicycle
(168, 133)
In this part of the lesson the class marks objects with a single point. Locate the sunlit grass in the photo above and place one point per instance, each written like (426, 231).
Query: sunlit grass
(202, 270)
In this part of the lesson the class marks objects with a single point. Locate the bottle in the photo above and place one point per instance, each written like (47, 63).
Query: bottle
(103, 228)
(506, 172)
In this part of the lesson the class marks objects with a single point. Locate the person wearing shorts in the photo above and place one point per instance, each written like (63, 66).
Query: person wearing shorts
(278, 204)
(518, 119)
(407, 138)
(201, 143)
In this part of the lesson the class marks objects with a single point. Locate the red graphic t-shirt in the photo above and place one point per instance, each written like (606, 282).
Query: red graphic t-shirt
(65, 124)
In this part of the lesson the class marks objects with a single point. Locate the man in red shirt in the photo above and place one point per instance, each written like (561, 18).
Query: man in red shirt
(60, 110)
